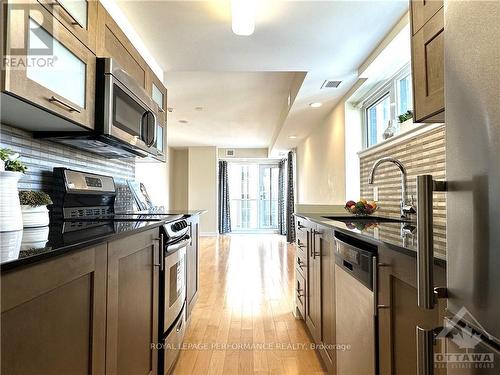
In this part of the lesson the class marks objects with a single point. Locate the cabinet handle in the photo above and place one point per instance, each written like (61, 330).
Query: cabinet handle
(161, 264)
(383, 307)
(69, 107)
(74, 21)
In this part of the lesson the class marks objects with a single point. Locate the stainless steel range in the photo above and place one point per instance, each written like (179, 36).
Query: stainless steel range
(86, 201)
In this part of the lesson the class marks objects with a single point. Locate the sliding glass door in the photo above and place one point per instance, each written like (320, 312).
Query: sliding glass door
(253, 191)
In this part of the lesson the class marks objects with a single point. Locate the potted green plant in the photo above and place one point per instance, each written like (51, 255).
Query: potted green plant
(405, 121)
(11, 170)
(34, 208)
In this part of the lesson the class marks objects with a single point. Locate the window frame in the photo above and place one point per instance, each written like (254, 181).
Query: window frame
(380, 92)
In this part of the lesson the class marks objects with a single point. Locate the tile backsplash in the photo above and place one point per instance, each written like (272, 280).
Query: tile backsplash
(424, 153)
(42, 156)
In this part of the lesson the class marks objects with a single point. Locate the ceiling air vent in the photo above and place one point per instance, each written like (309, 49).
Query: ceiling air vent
(230, 153)
(330, 84)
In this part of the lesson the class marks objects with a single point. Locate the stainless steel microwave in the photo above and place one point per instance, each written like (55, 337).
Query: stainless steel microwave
(126, 116)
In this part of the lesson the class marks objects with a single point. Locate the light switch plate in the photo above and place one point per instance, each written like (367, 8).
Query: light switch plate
(375, 193)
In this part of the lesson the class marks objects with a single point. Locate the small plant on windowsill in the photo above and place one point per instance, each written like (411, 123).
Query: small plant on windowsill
(405, 116)
(11, 170)
(34, 208)
(405, 121)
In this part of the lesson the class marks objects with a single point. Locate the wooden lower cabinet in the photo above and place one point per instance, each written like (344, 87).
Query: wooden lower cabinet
(193, 266)
(325, 242)
(54, 315)
(398, 313)
(132, 305)
(315, 278)
(313, 289)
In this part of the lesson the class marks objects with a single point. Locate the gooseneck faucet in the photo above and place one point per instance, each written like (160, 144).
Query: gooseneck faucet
(407, 206)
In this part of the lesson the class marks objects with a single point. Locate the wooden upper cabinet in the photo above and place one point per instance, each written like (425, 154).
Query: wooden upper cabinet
(78, 16)
(112, 42)
(399, 314)
(158, 93)
(422, 11)
(59, 70)
(54, 315)
(428, 70)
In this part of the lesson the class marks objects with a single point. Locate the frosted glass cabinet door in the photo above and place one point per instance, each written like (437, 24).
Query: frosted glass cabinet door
(79, 17)
(59, 73)
(65, 76)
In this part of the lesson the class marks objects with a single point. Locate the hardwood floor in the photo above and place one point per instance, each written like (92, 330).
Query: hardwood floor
(243, 322)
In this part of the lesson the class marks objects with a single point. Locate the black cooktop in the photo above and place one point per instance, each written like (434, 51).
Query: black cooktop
(33, 244)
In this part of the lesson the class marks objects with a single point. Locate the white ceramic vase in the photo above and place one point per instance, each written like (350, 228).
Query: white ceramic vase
(35, 216)
(10, 245)
(10, 208)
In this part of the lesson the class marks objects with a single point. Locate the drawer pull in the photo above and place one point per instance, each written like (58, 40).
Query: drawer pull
(383, 307)
(74, 21)
(69, 107)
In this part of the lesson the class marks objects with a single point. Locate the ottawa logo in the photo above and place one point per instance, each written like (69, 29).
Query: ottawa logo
(460, 344)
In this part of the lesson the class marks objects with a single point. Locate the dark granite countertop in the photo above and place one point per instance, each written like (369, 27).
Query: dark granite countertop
(397, 236)
(18, 248)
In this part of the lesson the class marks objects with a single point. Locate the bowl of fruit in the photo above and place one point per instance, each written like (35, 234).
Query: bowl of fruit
(361, 207)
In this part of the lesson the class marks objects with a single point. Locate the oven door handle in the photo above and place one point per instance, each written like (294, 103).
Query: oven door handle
(179, 245)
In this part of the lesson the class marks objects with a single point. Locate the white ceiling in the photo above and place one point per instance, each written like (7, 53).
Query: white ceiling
(240, 109)
(242, 82)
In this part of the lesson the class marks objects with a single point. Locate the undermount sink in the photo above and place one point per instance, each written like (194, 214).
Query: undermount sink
(378, 219)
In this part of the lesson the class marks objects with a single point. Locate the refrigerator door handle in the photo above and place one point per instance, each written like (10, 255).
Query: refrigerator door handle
(425, 240)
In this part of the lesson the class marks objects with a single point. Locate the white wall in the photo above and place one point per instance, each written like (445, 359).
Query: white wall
(321, 162)
(353, 143)
(202, 186)
(155, 176)
(179, 179)
(193, 184)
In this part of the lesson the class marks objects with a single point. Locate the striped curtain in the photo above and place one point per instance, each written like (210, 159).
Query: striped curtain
(281, 198)
(224, 211)
(290, 200)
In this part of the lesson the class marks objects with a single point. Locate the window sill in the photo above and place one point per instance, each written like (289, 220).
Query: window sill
(400, 138)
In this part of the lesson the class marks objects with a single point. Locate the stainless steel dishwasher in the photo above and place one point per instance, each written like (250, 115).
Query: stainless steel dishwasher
(355, 314)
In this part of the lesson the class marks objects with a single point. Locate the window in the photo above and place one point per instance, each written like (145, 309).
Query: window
(404, 94)
(385, 103)
(378, 116)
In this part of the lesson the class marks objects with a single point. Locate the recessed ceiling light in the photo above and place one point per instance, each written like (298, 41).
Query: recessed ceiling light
(183, 121)
(316, 105)
(243, 17)
(292, 136)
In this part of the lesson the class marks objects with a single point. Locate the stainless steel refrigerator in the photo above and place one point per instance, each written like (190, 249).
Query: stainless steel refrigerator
(471, 330)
